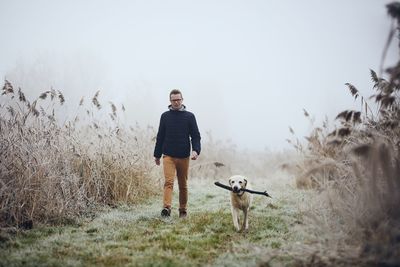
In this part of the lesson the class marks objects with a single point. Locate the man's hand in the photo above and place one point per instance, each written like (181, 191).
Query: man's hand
(194, 155)
(157, 161)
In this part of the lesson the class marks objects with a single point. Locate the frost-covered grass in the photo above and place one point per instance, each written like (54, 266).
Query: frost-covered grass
(138, 236)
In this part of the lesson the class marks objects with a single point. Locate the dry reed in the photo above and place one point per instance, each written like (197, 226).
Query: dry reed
(52, 171)
(358, 167)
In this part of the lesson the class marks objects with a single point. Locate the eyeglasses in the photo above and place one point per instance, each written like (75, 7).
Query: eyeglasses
(176, 100)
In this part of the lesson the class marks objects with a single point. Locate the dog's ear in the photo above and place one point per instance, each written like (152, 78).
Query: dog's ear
(229, 181)
(245, 182)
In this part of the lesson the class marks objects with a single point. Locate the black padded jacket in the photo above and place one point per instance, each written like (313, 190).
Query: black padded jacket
(177, 131)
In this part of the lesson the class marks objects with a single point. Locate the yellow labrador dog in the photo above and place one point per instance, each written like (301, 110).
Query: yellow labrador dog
(240, 201)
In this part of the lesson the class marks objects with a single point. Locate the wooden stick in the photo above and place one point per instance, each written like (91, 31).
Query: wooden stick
(246, 190)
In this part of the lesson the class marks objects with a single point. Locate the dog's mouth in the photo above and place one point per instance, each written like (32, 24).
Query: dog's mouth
(235, 189)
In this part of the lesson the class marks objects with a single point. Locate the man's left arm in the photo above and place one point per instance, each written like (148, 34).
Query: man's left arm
(195, 138)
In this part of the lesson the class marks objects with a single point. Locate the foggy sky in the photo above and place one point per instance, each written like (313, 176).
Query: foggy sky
(246, 68)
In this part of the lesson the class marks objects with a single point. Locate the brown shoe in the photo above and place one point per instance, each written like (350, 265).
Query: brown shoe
(182, 214)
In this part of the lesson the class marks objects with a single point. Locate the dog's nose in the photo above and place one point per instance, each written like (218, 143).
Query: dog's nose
(235, 189)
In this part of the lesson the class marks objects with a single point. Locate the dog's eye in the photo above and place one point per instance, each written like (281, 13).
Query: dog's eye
(240, 182)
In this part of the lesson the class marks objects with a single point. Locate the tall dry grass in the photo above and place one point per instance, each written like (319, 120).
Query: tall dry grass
(54, 169)
(356, 167)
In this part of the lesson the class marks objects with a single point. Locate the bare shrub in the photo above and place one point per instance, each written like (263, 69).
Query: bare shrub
(363, 204)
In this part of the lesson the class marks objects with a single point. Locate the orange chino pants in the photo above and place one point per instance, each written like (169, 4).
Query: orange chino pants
(180, 168)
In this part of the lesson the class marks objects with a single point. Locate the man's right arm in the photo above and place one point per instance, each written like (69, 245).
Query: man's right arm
(159, 141)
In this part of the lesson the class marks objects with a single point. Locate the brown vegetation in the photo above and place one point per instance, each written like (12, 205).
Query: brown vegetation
(52, 170)
(358, 167)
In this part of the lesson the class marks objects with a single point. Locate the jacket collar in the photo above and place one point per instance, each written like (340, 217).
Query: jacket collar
(183, 108)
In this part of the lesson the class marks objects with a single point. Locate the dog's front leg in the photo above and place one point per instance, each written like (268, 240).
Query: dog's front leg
(235, 218)
(245, 226)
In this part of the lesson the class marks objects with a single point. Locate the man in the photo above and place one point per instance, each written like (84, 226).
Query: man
(177, 133)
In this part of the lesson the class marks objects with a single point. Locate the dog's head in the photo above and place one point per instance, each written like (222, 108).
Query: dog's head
(237, 182)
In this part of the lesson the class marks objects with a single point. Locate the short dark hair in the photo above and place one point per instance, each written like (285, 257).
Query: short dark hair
(175, 92)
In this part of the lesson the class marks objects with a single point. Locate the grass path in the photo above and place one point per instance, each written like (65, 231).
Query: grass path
(138, 236)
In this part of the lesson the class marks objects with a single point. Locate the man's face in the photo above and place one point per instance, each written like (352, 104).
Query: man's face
(176, 101)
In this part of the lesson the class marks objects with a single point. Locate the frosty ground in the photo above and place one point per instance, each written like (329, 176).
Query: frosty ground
(138, 236)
